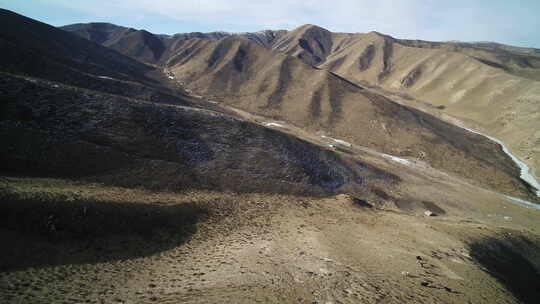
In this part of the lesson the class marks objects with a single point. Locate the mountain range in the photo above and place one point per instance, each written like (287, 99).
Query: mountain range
(497, 95)
(277, 166)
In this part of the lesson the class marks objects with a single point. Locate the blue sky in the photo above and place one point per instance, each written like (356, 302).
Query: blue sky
(512, 22)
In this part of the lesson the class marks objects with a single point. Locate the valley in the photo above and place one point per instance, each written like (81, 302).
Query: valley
(299, 166)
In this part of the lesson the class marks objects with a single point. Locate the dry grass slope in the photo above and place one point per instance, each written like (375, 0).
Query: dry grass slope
(240, 73)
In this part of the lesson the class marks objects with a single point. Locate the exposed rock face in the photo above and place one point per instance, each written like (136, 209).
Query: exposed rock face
(265, 38)
(313, 44)
(387, 51)
(364, 61)
(409, 80)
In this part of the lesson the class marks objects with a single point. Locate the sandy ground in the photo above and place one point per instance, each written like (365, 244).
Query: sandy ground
(373, 247)
(283, 249)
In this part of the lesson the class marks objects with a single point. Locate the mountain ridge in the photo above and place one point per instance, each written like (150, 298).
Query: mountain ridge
(222, 170)
(490, 87)
(92, 126)
(238, 79)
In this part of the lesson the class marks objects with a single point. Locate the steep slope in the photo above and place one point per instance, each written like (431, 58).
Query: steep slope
(64, 124)
(414, 72)
(55, 130)
(151, 48)
(139, 44)
(519, 61)
(99, 32)
(33, 48)
(29, 37)
(122, 200)
(310, 43)
(241, 73)
(486, 86)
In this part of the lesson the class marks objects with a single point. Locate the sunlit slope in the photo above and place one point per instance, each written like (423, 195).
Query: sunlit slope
(491, 87)
(241, 73)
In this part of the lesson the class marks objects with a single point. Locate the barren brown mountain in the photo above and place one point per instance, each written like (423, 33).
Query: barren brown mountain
(243, 72)
(489, 87)
(183, 142)
(237, 168)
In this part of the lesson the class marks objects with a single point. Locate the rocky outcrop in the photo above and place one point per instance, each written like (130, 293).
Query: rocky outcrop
(365, 59)
(409, 80)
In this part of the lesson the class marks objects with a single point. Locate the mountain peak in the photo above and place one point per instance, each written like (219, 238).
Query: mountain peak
(310, 27)
(100, 26)
(379, 34)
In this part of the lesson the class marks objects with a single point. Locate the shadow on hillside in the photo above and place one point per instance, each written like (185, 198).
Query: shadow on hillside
(49, 231)
(506, 260)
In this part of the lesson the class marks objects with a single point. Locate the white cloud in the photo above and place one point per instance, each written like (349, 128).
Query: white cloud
(350, 15)
(427, 19)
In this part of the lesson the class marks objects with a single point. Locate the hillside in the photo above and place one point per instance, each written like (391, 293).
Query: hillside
(210, 168)
(238, 72)
(153, 48)
(108, 131)
(36, 49)
(489, 87)
(485, 86)
(174, 147)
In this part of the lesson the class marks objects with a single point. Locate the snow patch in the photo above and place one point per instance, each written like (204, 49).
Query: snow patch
(342, 142)
(338, 141)
(273, 124)
(397, 159)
